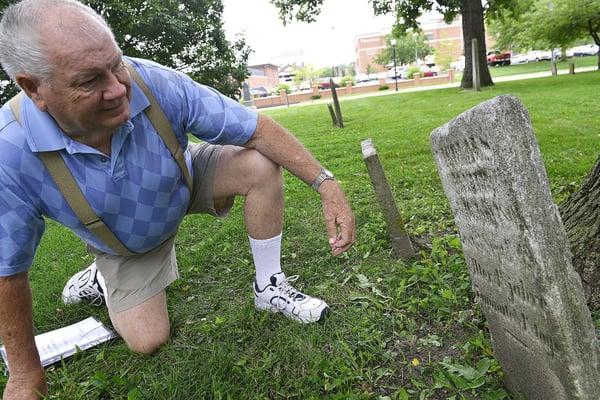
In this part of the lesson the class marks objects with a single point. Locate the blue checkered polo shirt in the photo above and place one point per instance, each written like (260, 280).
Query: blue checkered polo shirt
(138, 191)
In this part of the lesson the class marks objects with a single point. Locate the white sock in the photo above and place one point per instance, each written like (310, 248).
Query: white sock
(267, 258)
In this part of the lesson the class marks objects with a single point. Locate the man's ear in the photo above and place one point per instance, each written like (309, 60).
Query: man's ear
(31, 86)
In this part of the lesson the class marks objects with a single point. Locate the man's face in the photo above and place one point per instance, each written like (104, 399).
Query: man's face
(89, 92)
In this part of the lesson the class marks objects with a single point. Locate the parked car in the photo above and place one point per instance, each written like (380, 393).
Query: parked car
(325, 84)
(459, 64)
(424, 71)
(399, 71)
(259, 91)
(427, 72)
(519, 59)
(538, 55)
(495, 57)
(581, 51)
(362, 78)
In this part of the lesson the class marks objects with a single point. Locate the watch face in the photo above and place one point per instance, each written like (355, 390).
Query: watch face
(327, 173)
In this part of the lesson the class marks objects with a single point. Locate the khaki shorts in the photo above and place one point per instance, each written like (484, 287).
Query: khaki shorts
(132, 280)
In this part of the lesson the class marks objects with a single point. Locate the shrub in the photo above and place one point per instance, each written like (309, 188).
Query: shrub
(411, 71)
(315, 96)
(283, 86)
(347, 79)
(384, 87)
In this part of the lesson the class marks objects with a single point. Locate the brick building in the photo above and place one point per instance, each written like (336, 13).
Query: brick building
(446, 39)
(265, 75)
(367, 47)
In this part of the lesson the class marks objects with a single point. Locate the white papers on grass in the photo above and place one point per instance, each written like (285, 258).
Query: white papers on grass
(64, 342)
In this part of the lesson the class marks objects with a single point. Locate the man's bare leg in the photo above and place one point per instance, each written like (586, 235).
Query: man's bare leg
(248, 173)
(144, 327)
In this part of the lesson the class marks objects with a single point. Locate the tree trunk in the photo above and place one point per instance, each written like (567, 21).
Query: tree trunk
(581, 217)
(473, 28)
(594, 33)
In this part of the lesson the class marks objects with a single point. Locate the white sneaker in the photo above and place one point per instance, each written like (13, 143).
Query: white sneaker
(85, 285)
(280, 296)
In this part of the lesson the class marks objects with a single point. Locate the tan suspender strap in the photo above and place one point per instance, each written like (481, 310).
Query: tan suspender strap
(67, 185)
(15, 106)
(73, 195)
(162, 126)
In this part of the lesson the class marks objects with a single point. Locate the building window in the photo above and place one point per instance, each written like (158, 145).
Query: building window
(256, 72)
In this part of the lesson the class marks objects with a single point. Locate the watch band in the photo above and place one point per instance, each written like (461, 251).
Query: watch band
(323, 176)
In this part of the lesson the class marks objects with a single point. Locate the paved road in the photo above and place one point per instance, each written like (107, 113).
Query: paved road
(391, 90)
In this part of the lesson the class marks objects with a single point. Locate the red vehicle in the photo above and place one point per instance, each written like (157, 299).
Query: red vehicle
(496, 57)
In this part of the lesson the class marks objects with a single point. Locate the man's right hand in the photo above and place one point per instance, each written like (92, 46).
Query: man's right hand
(26, 375)
(31, 386)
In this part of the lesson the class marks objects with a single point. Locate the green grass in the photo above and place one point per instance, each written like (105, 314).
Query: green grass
(398, 330)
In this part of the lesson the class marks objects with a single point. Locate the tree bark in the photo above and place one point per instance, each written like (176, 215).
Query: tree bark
(473, 27)
(581, 217)
(594, 33)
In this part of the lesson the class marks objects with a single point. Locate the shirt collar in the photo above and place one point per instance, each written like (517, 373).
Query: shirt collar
(43, 133)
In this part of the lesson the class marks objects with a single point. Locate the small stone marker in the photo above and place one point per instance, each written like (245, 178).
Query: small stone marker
(400, 239)
(571, 68)
(332, 113)
(336, 104)
(517, 252)
(475, 63)
(553, 67)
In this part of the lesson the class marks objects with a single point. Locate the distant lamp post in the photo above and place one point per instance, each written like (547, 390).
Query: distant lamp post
(393, 42)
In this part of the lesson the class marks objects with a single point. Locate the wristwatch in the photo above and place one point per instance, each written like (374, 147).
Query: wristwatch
(323, 176)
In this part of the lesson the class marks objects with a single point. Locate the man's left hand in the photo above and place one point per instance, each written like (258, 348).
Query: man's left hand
(338, 217)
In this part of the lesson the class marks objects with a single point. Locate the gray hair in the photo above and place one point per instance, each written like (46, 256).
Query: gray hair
(21, 49)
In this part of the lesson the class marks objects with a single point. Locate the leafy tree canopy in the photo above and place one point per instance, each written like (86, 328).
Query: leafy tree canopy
(547, 23)
(306, 73)
(410, 46)
(186, 35)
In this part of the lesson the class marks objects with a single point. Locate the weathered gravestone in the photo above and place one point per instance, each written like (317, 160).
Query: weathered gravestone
(517, 252)
(248, 101)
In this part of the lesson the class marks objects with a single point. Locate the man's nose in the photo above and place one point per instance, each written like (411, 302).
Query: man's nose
(116, 89)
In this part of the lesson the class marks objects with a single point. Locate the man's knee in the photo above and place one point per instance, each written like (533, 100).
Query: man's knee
(263, 169)
(149, 342)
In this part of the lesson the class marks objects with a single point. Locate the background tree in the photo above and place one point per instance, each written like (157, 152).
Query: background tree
(560, 23)
(186, 35)
(547, 24)
(410, 46)
(506, 26)
(307, 73)
(408, 11)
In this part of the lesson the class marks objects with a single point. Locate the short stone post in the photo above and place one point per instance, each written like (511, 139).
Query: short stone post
(571, 69)
(451, 75)
(400, 239)
(475, 63)
(336, 104)
(315, 90)
(332, 113)
(348, 88)
(283, 97)
(417, 79)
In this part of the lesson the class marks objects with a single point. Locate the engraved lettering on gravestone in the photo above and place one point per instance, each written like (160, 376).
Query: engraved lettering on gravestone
(517, 252)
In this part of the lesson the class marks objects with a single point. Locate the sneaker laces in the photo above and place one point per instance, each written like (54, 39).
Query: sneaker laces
(93, 293)
(287, 289)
